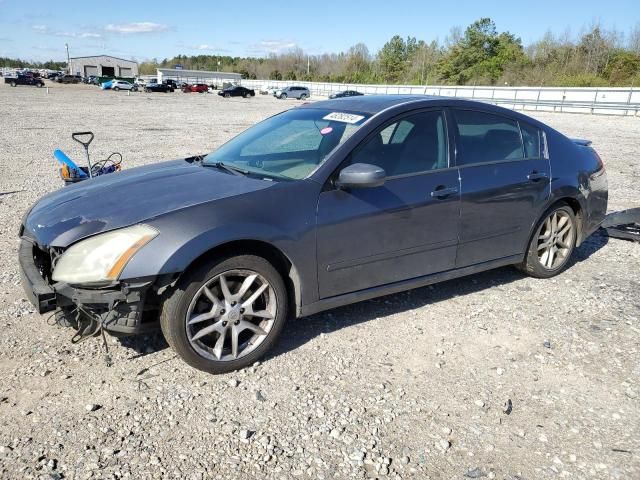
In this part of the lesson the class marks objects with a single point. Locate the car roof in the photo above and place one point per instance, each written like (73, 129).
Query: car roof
(372, 104)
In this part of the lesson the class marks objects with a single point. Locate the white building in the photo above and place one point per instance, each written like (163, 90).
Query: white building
(103, 66)
(197, 76)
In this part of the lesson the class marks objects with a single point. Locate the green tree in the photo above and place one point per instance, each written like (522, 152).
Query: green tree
(392, 59)
(481, 54)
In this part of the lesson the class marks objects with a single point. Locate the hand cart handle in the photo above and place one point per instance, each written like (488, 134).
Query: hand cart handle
(82, 134)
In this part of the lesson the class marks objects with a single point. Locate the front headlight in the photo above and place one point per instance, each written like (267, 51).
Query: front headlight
(100, 259)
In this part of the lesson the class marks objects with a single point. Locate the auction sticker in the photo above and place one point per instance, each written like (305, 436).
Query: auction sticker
(343, 117)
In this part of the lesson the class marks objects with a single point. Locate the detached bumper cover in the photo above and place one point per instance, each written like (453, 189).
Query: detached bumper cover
(118, 309)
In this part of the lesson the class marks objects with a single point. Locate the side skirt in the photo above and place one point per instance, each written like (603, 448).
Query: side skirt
(361, 295)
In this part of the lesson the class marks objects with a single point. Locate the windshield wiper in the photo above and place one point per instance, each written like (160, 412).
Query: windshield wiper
(229, 168)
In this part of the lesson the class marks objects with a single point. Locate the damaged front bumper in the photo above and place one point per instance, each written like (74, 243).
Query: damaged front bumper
(119, 310)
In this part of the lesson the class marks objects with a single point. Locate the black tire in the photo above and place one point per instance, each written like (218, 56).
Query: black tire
(245, 95)
(532, 264)
(175, 308)
(116, 89)
(40, 85)
(13, 84)
(283, 96)
(303, 96)
(226, 95)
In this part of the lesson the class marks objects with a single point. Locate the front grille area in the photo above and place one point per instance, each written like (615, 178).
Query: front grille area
(42, 261)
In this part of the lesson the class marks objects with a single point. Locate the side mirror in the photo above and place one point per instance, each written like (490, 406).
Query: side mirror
(361, 175)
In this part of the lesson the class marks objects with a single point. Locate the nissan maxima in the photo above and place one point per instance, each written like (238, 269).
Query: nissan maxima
(320, 206)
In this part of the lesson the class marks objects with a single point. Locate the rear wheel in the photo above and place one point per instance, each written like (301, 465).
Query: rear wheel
(13, 84)
(226, 95)
(225, 314)
(303, 96)
(552, 243)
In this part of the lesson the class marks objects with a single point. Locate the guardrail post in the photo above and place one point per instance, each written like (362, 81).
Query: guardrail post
(593, 104)
(538, 97)
(564, 95)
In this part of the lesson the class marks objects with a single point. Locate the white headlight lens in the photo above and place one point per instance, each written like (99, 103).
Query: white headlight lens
(101, 258)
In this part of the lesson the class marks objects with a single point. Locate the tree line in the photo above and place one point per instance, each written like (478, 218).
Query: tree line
(479, 55)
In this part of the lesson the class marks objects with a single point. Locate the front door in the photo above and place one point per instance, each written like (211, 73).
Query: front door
(405, 229)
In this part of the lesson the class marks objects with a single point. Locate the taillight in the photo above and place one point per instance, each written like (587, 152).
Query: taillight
(598, 159)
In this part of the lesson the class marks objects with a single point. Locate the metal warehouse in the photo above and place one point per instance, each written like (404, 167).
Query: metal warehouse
(197, 76)
(103, 66)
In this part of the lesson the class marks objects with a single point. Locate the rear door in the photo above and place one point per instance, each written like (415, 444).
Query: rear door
(505, 182)
(404, 229)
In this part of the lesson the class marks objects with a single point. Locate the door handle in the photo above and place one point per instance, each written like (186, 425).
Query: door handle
(442, 192)
(535, 176)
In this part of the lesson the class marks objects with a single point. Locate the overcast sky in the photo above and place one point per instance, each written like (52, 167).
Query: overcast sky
(145, 29)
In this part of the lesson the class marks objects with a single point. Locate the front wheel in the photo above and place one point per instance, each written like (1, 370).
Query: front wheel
(226, 314)
(226, 95)
(303, 96)
(552, 243)
(13, 84)
(117, 89)
(283, 96)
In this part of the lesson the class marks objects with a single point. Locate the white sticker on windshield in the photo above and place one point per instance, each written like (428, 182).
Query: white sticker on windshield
(343, 117)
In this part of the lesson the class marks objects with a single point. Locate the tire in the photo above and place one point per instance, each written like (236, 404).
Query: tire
(189, 298)
(283, 96)
(246, 95)
(13, 84)
(226, 95)
(547, 262)
(39, 85)
(303, 96)
(116, 89)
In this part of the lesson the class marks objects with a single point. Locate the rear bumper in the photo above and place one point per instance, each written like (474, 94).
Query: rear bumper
(119, 309)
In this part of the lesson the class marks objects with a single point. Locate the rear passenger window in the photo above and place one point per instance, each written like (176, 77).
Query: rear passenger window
(531, 139)
(484, 137)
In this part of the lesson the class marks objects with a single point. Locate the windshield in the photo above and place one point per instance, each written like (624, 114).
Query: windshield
(290, 145)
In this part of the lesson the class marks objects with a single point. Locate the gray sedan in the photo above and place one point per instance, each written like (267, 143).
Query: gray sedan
(320, 206)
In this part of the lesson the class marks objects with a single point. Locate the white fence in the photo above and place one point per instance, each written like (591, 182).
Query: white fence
(606, 100)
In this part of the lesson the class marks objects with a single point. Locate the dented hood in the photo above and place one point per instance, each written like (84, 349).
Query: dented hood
(132, 196)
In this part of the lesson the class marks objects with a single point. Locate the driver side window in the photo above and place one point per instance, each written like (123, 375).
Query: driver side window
(414, 144)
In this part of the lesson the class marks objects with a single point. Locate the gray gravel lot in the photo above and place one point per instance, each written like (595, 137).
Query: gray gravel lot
(492, 376)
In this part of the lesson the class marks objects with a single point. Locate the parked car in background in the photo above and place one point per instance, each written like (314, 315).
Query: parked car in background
(267, 90)
(123, 85)
(141, 82)
(158, 87)
(346, 93)
(196, 88)
(237, 91)
(24, 80)
(300, 93)
(320, 206)
(68, 78)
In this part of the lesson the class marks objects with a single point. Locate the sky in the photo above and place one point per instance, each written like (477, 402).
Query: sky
(145, 29)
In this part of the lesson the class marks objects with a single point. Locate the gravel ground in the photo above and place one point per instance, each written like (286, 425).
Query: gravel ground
(492, 376)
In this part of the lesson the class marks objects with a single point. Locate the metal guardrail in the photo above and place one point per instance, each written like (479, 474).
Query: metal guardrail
(609, 100)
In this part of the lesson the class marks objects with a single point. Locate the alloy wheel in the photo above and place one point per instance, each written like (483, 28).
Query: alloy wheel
(231, 315)
(555, 240)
